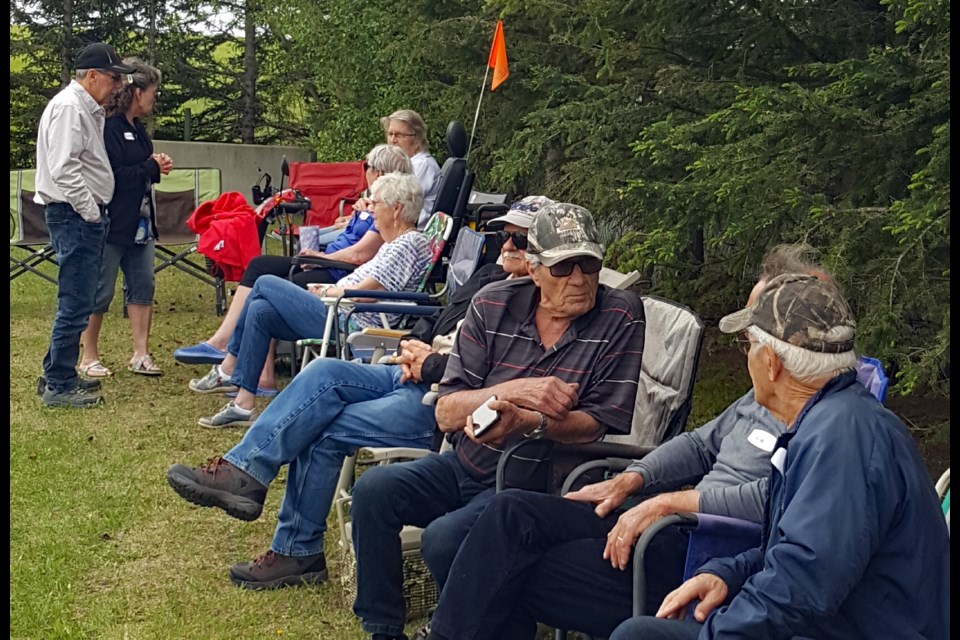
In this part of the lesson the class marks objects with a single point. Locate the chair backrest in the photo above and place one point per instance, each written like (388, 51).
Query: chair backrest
(325, 184)
(671, 353)
(30, 226)
(454, 170)
(464, 258)
(437, 232)
(616, 280)
(871, 375)
(177, 196)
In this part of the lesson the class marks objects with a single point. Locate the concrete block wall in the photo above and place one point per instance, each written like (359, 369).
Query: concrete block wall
(238, 163)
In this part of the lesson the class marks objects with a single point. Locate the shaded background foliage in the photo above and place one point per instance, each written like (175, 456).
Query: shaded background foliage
(700, 132)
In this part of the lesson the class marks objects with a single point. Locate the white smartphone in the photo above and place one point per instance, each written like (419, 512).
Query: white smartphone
(484, 417)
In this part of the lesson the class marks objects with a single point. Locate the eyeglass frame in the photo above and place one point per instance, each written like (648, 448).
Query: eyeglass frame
(519, 238)
(557, 270)
(123, 79)
(399, 134)
(744, 342)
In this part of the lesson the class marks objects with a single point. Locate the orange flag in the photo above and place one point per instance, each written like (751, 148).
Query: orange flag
(498, 58)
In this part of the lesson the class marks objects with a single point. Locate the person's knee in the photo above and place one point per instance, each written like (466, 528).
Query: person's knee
(438, 547)
(372, 491)
(631, 629)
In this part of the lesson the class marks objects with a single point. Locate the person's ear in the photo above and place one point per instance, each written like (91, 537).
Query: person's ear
(534, 273)
(772, 364)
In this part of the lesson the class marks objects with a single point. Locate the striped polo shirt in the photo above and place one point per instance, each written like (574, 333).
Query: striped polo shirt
(498, 341)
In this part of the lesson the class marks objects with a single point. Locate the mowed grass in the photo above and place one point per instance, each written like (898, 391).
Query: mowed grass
(100, 546)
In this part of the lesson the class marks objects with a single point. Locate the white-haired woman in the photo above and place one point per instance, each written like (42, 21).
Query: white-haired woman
(132, 232)
(359, 242)
(277, 308)
(407, 130)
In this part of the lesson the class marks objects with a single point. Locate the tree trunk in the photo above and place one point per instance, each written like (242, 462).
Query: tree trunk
(249, 119)
(66, 60)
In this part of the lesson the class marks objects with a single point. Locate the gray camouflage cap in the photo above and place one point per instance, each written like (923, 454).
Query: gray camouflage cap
(801, 310)
(560, 231)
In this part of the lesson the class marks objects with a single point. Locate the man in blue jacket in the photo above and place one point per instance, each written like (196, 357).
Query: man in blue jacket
(854, 542)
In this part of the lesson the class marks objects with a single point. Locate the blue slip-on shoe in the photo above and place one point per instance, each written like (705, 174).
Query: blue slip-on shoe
(261, 393)
(202, 353)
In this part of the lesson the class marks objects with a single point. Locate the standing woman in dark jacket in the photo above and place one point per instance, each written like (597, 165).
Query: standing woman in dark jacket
(132, 231)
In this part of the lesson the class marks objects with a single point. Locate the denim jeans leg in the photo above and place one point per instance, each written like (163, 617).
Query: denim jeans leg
(79, 247)
(276, 308)
(384, 500)
(348, 401)
(442, 538)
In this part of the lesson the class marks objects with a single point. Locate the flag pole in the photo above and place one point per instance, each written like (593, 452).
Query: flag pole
(476, 116)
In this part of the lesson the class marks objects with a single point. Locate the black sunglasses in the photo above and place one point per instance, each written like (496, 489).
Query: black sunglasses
(588, 265)
(519, 238)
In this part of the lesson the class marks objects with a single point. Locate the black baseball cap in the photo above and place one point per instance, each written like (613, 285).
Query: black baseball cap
(100, 55)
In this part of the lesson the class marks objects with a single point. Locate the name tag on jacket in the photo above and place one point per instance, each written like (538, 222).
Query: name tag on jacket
(128, 135)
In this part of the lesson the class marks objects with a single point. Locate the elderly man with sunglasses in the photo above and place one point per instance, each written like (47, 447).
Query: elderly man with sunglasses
(565, 562)
(556, 356)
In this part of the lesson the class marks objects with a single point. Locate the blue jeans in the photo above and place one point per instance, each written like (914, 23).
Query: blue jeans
(139, 281)
(275, 308)
(435, 492)
(79, 248)
(650, 628)
(532, 557)
(328, 411)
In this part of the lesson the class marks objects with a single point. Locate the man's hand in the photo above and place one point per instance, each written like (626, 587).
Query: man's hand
(550, 395)
(708, 588)
(512, 419)
(609, 494)
(628, 529)
(412, 355)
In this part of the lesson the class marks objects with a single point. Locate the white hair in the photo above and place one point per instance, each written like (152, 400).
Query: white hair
(803, 364)
(80, 74)
(400, 188)
(389, 159)
(533, 259)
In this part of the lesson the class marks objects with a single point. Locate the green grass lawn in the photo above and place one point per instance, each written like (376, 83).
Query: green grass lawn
(101, 547)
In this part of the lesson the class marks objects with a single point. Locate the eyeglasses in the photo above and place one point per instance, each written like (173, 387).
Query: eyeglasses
(588, 265)
(744, 342)
(113, 76)
(519, 238)
(399, 134)
(369, 167)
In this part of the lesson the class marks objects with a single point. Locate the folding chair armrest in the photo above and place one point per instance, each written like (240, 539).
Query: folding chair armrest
(323, 263)
(387, 295)
(383, 454)
(611, 465)
(640, 552)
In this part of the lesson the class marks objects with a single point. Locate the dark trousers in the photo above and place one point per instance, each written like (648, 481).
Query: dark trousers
(650, 628)
(79, 248)
(532, 557)
(280, 266)
(435, 493)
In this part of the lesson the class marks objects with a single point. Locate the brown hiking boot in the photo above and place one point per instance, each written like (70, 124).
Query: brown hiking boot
(219, 484)
(272, 571)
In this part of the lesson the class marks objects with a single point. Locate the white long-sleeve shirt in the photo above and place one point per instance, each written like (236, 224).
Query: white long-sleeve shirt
(72, 162)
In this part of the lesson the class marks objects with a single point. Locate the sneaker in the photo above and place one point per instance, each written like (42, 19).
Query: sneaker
(77, 398)
(214, 382)
(230, 416)
(87, 384)
(219, 484)
(272, 571)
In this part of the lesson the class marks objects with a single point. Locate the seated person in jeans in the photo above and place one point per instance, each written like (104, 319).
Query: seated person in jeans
(358, 243)
(330, 410)
(854, 544)
(562, 356)
(278, 308)
(571, 567)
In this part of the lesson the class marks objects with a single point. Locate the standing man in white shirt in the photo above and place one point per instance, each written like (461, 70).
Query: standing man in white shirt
(74, 183)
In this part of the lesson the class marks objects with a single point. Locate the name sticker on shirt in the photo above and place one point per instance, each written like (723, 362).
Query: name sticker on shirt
(128, 135)
(762, 440)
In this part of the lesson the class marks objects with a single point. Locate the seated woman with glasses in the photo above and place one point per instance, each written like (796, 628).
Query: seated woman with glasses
(358, 243)
(407, 130)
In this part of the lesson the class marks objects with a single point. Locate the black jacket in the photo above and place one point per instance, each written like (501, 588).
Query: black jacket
(130, 150)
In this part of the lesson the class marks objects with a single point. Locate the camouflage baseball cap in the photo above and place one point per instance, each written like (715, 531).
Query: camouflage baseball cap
(801, 310)
(560, 231)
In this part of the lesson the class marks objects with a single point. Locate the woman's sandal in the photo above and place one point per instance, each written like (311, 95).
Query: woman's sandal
(145, 366)
(95, 370)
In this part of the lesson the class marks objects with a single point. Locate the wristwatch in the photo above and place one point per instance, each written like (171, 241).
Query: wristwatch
(540, 429)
